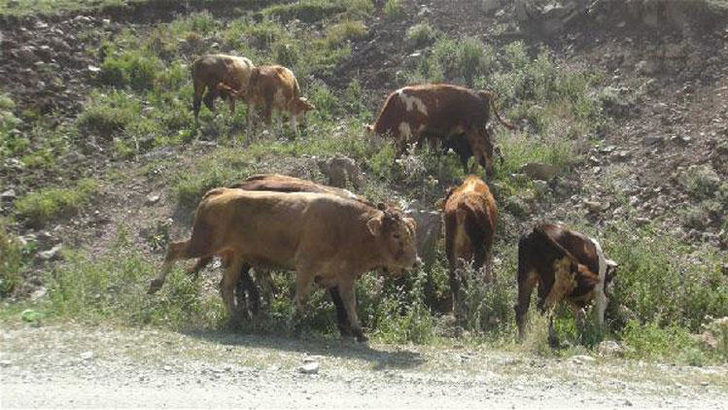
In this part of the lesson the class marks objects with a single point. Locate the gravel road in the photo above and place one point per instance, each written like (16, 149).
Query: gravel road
(74, 366)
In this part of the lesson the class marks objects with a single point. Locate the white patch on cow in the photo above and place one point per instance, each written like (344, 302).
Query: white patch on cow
(412, 102)
(599, 294)
(405, 131)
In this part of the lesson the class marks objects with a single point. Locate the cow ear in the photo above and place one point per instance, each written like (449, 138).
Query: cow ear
(460, 216)
(375, 225)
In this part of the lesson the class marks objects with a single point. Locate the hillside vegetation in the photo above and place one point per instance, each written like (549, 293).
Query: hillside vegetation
(98, 151)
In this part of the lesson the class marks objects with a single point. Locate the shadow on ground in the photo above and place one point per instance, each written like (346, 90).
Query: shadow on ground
(380, 359)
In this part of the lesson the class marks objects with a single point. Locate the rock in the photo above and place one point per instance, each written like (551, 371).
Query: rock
(645, 67)
(652, 139)
(8, 195)
(539, 171)
(38, 293)
(152, 199)
(87, 355)
(540, 186)
(429, 229)
(517, 206)
(5, 363)
(311, 367)
(611, 348)
(341, 170)
(549, 17)
(595, 206)
(489, 5)
(640, 221)
(51, 254)
(582, 359)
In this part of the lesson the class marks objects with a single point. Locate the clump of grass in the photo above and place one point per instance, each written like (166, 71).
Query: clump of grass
(107, 115)
(422, 34)
(346, 30)
(113, 288)
(393, 9)
(309, 11)
(653, 341)
(41, 206)
(11, 142)
(132, 68)
(11, 261)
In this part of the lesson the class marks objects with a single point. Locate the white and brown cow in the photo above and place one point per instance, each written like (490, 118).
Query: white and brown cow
(210, 70)
(565, 265)
(442, 110)
(326, 239)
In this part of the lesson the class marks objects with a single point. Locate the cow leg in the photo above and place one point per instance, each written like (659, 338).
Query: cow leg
(348, 296)
(229, 281)
(553, 338)
(265, 282)
(209, 98)
(526, 283)
(304, 282)
(201, 264)
(247, 291)
(482, 150)
(579, 316)
(342, 320)
(294, 125)
(231, 103)
(197, 99)
(176, 250)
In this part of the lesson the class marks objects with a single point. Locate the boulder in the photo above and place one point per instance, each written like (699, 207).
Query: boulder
(429, 229)
(539, 171)
(341, 171)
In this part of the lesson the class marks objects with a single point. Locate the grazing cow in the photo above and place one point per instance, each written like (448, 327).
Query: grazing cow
(325, 238)
(566, 265)
(439, 109)
(210, 70)
(275, 87)
(470, 218)
(281, 183)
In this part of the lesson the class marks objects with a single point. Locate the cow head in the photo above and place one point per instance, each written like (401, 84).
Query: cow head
(395, 234)
(301, 106)
(369, 129)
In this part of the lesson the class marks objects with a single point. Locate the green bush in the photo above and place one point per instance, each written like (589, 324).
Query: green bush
(11, 262)
(41, 206)
(108, 115)
(393, 9)
(422, 34)
(134, 68)
(309, 11)
(346, 30)
(11, 143)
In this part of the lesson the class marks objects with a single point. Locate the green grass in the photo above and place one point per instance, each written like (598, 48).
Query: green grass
(23, 7)
(44, 205)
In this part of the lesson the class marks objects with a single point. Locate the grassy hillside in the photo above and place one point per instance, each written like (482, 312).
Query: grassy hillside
(83, 166)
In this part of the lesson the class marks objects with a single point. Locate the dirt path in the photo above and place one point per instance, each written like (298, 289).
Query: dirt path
(74, 366)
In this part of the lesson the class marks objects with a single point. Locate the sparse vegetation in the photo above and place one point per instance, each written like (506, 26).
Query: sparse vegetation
(41, 206)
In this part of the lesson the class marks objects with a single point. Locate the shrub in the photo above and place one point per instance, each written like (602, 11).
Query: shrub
(309, 11)
(346, 30)
(393, 9)
(11, 142)
(107, 115)
(134, 68)
(653, 341)
(39, 207)
(422, 34)
(11, 261)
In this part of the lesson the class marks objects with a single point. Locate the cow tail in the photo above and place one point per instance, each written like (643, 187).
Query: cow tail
(296, 89)
(507, 124)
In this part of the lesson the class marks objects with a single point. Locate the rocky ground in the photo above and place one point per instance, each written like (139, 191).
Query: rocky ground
(74, 366)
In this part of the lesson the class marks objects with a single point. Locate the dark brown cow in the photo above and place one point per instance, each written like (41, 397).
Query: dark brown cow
(566, 265)
(470, 217)
(324, 238)
(210, 70)
(443, 110)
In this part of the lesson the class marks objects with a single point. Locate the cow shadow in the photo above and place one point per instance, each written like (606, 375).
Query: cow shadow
(396, 358)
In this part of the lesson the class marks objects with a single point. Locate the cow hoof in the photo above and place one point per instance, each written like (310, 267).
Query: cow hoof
(154, 286)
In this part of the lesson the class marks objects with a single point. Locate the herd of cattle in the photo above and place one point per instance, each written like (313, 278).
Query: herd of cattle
(330, 236)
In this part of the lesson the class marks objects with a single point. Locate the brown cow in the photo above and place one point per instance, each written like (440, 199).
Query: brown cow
(324, 238)
(275, 87)
(210, 70)
(281, 183)
(566, 265)
(470, 218)
(439, 109)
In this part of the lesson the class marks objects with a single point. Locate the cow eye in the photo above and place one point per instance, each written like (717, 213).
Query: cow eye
(395, 236)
